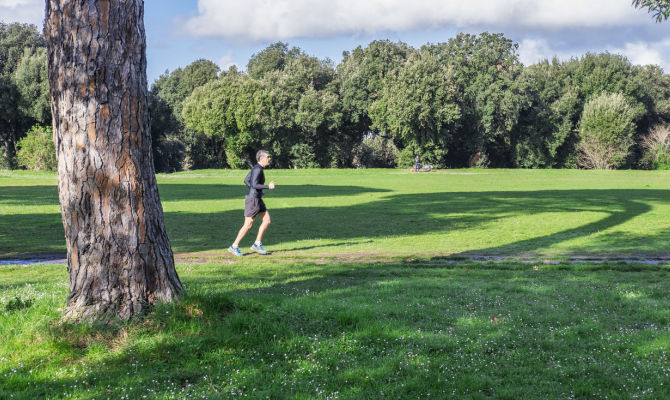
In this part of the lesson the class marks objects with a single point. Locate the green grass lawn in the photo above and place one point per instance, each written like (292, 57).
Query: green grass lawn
(317, 213)
(352, 331)
(357, 300)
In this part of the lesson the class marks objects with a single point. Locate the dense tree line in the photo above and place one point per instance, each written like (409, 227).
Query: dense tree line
(468, 101)
(465, 102)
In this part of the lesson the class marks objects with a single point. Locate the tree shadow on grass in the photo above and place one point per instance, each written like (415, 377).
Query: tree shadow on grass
(417, 214)
(389, 216)
(354, 328)
(48, 195)
(38, 195)
(195, 192)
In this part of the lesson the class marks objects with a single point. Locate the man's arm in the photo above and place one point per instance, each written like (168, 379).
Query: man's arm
(255, 180)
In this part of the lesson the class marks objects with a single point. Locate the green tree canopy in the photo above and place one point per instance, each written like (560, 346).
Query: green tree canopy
(275, 57)
(485, 77)
(32, 81)
(660, 9)
(418, 106)
(17, 114)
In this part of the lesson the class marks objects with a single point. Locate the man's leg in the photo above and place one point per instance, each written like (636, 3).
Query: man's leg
(248, 222)
(264, 225)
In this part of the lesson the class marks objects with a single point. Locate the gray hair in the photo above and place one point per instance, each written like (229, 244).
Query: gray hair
(261, 153)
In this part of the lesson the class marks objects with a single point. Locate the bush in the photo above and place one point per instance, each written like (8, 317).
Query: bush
(606, 127)
(203, 151)
(37, 151)
(430, 154)
(303, 156)
(169, 152)
(375, 152)
(6, 161)
(656, 147)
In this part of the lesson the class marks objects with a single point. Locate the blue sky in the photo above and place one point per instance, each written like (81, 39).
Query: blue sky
(228, 32)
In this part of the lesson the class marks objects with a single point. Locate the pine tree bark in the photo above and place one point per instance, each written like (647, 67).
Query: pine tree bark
(119, 255)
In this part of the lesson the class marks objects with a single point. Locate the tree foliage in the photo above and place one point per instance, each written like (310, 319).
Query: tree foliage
(451, 103)
(37, 151)
(23, 86)
(275, 57)
(32, 81)
(660, 9)
(418, 106)
(485, 75)
(166, 99)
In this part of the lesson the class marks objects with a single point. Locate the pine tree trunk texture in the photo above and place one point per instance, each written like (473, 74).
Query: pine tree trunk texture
(119, 255)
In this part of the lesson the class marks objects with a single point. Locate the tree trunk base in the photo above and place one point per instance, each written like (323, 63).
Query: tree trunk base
(107, 312)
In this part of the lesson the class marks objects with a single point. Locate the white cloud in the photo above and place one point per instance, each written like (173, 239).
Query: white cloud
(227, 61)
(285, 19)
(639, 53)
(643, 53)
(25, 11)
(532, 51)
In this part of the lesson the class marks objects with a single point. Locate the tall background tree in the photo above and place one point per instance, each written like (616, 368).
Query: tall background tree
(174, 146)
(23, 86)
(119, 255)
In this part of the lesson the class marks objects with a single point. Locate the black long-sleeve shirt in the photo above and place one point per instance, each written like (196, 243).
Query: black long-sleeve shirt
(256, 182)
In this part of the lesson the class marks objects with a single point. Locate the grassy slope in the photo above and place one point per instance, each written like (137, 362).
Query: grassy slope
(352, 330)
(385, 212)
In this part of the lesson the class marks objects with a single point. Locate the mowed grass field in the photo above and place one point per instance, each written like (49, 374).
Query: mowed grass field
(366, 213)
(358, 300)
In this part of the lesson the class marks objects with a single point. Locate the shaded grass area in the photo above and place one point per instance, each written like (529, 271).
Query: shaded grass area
(385, 212)
(267, 329)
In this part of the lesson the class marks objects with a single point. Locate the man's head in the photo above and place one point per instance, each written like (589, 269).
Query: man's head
(263, 158)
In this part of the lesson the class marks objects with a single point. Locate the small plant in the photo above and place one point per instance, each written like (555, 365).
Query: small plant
(656, 146)
(37, 151)
(17, 304)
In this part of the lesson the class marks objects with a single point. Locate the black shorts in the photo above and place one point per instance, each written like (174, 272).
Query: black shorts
(253, 206)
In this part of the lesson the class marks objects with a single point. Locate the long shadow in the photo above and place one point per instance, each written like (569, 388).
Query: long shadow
(390, 216)
(416, 214)
(39, 195)
(181, 192)
(48, 195)
(356, 324)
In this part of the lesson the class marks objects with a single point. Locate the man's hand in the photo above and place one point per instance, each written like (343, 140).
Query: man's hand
(271, 185)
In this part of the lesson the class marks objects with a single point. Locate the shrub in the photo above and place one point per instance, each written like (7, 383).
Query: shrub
(606, 127)
(303, 156)
(6, 161)
(169, 152)
(430, 154)
(203, 151)
(375, 152)
(37, 151)
(656, 147)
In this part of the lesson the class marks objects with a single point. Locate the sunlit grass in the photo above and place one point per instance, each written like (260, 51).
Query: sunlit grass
(384, 212)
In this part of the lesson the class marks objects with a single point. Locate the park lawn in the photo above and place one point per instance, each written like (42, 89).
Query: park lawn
(257, 328)
(383, 213)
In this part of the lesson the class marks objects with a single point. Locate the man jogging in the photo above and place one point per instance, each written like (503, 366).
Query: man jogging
(253, 204)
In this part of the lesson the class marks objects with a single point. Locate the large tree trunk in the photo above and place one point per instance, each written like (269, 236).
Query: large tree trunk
(119, 255)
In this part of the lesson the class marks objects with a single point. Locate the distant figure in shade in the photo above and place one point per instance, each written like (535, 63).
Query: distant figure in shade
(417, 164)
(254, 205)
